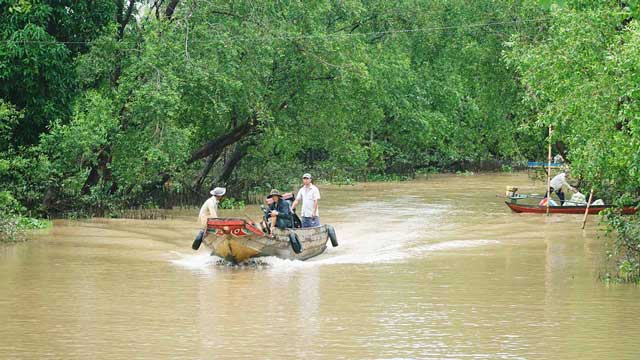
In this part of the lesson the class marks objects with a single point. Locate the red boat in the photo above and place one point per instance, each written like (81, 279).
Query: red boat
(237, 240)
(538, 209)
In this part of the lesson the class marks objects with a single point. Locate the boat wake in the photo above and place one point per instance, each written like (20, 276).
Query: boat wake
(198, 261)
(454, 245)
(369, 232)
(206, 262)
(203, 260)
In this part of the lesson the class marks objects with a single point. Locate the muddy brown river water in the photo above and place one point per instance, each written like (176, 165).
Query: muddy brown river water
(436, 268)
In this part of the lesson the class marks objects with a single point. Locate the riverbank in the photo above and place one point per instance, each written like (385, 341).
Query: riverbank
(159, 203)
(13, 228)
(13, 224)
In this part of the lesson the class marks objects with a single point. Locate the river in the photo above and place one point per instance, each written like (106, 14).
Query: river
(435, 268)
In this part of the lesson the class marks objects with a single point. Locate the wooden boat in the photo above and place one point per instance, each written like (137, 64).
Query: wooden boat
(237, 240)
(539, 209)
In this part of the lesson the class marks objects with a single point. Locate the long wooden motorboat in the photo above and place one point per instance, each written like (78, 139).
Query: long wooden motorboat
(236, 240)
(539, 209)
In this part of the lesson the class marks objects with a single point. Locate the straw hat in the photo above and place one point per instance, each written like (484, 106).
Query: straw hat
(219, 191)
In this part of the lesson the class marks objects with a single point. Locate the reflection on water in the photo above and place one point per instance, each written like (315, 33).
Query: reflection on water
(427, 269)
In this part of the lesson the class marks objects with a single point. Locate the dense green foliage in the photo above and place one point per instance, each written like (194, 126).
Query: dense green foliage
(254, 93)
(110, 105)
(582, 75)
(41, 40)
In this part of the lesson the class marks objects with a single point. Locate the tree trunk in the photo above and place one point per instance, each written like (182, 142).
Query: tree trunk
(219, 143)
(171, 8)
(124, 20)
(100, 170)
(231, 163)
(197, 184)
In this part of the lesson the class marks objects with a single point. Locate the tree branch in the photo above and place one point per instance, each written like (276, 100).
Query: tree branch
(124, 21)
(156, 5)
(223, 141)
(197, 184)
(232, 162)
(171, 8)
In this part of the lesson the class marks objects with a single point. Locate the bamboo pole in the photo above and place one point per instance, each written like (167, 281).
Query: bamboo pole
(549, 172)
(586, 212)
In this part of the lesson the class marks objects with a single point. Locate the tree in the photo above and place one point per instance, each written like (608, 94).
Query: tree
(38, 43)
(581, 76)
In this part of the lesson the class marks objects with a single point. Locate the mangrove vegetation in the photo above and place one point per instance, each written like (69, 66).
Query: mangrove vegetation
(117, 104)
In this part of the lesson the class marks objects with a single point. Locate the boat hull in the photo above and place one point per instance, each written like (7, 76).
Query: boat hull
(237, 240)
(538, 209)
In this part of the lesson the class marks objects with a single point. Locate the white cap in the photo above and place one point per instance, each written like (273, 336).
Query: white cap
(307, 175)
(219, 191)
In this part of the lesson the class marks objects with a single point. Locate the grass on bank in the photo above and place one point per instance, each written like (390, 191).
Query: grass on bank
(13, 228)
(12, 223)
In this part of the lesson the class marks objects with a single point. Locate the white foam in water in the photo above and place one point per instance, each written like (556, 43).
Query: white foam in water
(278, 264)
(206, 262)
(381, 233)
(455, 244)
(194, 261)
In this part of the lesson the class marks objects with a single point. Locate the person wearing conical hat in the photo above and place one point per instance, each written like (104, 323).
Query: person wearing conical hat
(279, 212)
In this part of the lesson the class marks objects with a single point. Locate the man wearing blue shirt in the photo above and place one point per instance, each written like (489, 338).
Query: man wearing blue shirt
(279, 211)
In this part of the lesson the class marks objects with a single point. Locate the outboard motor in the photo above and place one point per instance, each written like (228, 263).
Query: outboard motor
(266, 220)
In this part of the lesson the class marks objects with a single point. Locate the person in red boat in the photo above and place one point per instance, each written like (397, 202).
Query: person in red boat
(208, 210)
(210, 207)
(279, 211)
(557, 183)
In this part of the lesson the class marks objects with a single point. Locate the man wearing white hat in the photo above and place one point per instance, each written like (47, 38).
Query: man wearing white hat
(210, 207)
(309, 194)
(208, 210)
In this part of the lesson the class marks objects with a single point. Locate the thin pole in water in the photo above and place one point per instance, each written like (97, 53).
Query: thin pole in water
(549, 171)
(586, 211)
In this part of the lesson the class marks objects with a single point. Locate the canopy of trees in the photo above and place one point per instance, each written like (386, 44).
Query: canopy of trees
(581, 74)
(103, 103)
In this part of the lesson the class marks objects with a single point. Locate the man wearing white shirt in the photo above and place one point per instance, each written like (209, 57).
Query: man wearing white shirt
(557, 183)
(309, 195)
(210, 207)
(208, 210)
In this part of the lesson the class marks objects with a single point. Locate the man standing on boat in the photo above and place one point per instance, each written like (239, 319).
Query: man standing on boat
(210, 207)
(557, 183)
(309, 194)
(208, 210)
